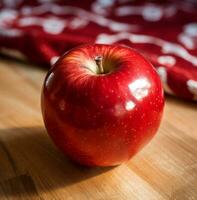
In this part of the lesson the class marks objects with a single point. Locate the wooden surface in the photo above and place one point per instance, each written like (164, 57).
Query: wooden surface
(32, 168)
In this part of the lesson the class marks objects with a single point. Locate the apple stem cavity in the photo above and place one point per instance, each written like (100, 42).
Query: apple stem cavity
(98, 60)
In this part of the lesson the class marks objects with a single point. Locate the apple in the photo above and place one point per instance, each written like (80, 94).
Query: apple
(102, 103)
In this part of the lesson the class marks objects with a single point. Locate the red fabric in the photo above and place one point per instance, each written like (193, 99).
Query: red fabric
(165, 32)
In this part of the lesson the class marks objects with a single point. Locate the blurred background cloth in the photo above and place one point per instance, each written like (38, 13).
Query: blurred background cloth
(163, 31)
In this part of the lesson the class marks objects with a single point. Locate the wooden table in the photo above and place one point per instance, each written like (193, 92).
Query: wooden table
(32, 168)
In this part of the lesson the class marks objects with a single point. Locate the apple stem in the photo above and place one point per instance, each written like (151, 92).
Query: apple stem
(98, 60)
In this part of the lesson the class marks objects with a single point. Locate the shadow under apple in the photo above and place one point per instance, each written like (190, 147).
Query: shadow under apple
(32, 164)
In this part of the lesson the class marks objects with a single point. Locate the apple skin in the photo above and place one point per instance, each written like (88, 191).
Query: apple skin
(102, 119)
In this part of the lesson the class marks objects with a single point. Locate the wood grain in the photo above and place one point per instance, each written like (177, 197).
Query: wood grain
(32, 168)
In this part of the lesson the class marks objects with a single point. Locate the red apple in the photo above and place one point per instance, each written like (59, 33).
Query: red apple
(102, 103)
